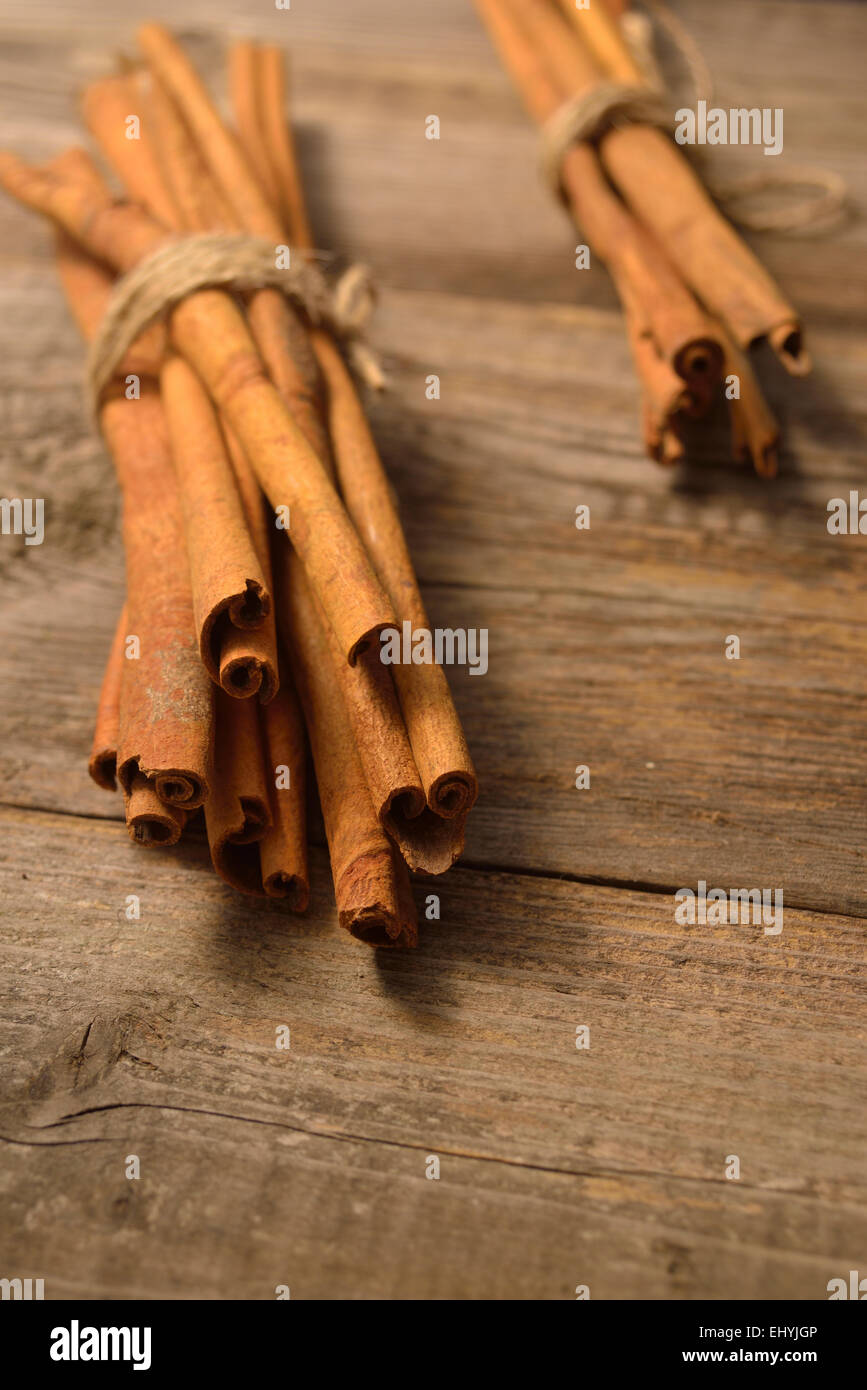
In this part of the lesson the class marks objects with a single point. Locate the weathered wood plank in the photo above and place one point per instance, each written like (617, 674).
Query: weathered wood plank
(608, 1164)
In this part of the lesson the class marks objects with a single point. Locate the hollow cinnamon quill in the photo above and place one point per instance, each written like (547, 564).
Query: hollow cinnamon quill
(165, 708)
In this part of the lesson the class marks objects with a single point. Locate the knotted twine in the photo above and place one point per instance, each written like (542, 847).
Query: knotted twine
(611, 104)
(228, 260)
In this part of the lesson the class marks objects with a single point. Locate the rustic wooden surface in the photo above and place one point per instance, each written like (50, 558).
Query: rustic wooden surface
(156, 1037)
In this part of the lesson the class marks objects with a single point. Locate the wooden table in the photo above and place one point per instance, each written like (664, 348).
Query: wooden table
(558, 1166)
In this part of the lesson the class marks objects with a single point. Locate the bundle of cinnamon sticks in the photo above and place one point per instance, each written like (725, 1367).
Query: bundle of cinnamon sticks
(694, 295)
(264, 551)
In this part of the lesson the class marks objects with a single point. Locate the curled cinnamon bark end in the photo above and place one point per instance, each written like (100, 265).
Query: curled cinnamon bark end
(452, 794)
(237, 813)
(149, 820)
(102, 766)
(374, 900)
(368, 642)
(788, 343)
(700, 364)
(180, 788)
(242, 662)
(429, 844)
(289, 888)
(431, 835)
(231, 594)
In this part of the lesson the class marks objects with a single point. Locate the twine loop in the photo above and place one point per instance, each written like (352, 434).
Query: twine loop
(609, 104)
(587, 117)
(224, 260)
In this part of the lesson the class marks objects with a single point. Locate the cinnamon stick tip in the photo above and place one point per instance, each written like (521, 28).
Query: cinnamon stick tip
(243, 676)
(378, 926)
(103, 769)
(154, 832)
(291, 889)
(453, 794)
(182, 789)
(368, 640)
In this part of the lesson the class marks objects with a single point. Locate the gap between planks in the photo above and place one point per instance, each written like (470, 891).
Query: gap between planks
(478, 866)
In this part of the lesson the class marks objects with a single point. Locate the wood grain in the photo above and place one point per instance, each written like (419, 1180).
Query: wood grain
(156, 1036)
(307, 1167)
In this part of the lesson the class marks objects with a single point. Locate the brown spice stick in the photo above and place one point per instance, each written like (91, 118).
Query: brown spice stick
(755, 431)
(435, 735)
(427, 841)
(238, 811)
(209, 330)
(371, 884)
(244, 97)
(283, 847)
(200, 204)
(102, 765)
(105, 105)
(92, 284)
(231, 598)
(219, 147)
(665, 396)
(149, 820)
(165, 709)
(275, 133)
(603, 38)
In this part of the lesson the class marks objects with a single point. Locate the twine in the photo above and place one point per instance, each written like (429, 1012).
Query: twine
(588, 117)
(225, 260)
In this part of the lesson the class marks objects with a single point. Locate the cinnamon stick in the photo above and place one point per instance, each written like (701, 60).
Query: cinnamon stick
(244, 98)
(436, 739)
(238, 811)
(283, 847)
(231, 597)
(165, 708)
(102, 765)
(278, 142)
(755, 431)
(234, 609)
(149, 820)
(604, 40)
(371, 883)
(106, 106)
